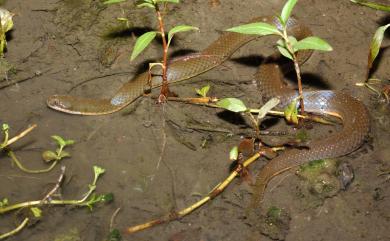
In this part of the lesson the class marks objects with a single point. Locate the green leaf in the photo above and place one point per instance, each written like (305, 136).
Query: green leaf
(256, 28)
(109, 197)
(60, 141)
(312, 42)
(284, 52)
(179, 28)
(168, 1)
(113, 1)
(203, 91)
(64, 154)
(5, 127)
(272, 103)
(282, 47)
(286, 11)
(373, 5)
(233, 154)
(98, 170)
(376, 44)
(49, 156)
(232, 104)
(147, 5)
(36, 212)
(114, 235)
(4, 202)
(291, 112)
(142, 42)
(69, 142)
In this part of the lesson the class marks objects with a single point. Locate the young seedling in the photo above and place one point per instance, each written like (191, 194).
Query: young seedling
(59, 153)
(88, 200)
(375, 46)
(203, 91)
(48, 156)
(6, 25)
(7, 141)
(288, 46)
(144, 40)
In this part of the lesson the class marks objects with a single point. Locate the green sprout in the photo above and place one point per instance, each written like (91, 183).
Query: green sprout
(48, 156)
(88, 200)
(59, 153)
(4, 202)
(203, 91)
(6, 25)
(5, 130)
(145, 39)
(375, 46)
(288, 46)
(233, 154)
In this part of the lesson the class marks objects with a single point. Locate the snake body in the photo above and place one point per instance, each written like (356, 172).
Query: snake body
(270, 82)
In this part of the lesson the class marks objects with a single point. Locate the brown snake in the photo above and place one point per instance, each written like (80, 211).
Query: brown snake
(270, 82)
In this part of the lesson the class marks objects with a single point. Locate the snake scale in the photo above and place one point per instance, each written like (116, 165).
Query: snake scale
(269, 78)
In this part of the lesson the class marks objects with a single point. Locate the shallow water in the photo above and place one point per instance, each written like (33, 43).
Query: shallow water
(69, 43)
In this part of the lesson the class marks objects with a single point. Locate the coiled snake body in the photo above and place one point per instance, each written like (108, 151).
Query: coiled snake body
(269, 78)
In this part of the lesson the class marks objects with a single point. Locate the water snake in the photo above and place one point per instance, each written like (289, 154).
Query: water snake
(270, 82)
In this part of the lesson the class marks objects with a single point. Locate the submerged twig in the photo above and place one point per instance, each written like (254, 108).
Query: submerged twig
(57, 186)
(215, 192)
(19, 136)
(16, 230)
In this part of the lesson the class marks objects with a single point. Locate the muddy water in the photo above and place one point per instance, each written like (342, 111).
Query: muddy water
(79, 48)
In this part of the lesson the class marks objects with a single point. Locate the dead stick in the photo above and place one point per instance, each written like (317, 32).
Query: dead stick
(22, 134)
(215, 192)
(55, 188)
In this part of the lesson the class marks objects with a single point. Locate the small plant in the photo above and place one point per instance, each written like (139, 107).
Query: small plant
(144, 40)
(375, 46)
(89, 199)
(288, 46)
(48, 156)
(6, 25)
(203, 91)
(59, 153)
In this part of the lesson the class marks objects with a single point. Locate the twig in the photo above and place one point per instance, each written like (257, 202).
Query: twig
(17, 229)
(9, 83)
(164, 87)
(58, 184)
(215, 192)
(113, 218)
(21, 135)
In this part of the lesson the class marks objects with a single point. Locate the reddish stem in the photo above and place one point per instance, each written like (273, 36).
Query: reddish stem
(164, 87)
(300, 92)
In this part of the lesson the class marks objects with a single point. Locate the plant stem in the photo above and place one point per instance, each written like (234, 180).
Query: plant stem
(17, 229)
(39, 202)
(19, 136)
(300, 92)
(297, 69)
(21, 167)
(215, 192)
(164, 87)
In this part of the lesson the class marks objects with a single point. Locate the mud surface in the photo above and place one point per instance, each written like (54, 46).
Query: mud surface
(78, 47)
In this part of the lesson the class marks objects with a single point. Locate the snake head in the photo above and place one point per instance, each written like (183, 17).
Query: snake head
(59, 102)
